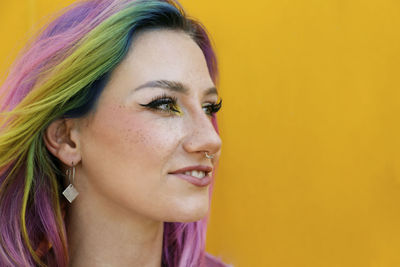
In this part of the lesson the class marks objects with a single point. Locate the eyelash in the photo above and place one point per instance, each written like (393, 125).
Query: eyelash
(170, 105)
(213, 108)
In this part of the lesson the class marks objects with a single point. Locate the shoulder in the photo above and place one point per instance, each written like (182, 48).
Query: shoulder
(212, 261)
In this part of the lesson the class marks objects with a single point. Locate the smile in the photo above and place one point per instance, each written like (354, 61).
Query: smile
(196, 175)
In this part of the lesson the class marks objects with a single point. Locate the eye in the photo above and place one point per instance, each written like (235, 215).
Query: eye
(212, 108)
(163, 103)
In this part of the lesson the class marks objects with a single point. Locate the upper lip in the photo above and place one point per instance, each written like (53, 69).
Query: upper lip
(203, 168)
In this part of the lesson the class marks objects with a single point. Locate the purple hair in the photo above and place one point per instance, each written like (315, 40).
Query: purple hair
(61, 74)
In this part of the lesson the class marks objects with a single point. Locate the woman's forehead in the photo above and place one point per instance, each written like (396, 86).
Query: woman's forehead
(166, 55)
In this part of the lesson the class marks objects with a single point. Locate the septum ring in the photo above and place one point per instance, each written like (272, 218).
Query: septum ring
(208, 155)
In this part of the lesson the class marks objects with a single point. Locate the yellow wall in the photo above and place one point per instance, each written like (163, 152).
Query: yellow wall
(310, 171)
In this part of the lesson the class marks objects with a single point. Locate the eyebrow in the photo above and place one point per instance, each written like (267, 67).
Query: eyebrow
(173, 86)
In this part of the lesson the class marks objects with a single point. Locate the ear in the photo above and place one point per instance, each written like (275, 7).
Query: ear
(62, 140)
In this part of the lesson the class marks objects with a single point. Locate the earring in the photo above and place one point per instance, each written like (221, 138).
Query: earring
(208, 155)
(70, 192)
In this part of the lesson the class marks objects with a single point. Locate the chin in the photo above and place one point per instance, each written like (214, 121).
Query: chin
(188, 212)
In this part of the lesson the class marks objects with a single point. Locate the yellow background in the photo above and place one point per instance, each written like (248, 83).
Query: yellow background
(310, 171)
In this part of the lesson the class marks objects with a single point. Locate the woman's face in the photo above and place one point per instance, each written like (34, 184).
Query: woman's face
(146, 140)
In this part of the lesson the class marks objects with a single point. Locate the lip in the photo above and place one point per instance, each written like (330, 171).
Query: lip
(193, 180)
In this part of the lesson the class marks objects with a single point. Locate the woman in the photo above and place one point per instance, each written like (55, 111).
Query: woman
(109, 140)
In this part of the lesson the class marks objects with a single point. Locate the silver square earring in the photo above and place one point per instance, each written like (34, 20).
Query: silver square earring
(70, 193)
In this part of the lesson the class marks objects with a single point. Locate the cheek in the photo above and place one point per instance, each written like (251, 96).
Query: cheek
(126, 156)
(156, 138)
(130, 139)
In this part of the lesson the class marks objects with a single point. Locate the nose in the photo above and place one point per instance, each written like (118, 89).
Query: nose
(201, 135)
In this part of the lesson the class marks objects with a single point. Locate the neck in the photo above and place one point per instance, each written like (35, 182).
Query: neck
(102, 234)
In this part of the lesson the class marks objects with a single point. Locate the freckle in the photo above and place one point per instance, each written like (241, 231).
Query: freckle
(141, 136)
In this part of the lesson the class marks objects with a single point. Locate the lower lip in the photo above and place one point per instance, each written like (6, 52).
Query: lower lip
(195, 181)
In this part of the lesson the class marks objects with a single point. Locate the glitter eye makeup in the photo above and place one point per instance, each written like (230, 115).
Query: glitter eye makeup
(163, 103)
(169, 104)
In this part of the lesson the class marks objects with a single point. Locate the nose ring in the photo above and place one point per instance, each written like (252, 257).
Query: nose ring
(209, 156)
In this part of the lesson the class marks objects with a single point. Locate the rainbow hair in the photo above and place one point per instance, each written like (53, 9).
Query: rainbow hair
(61, 74)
